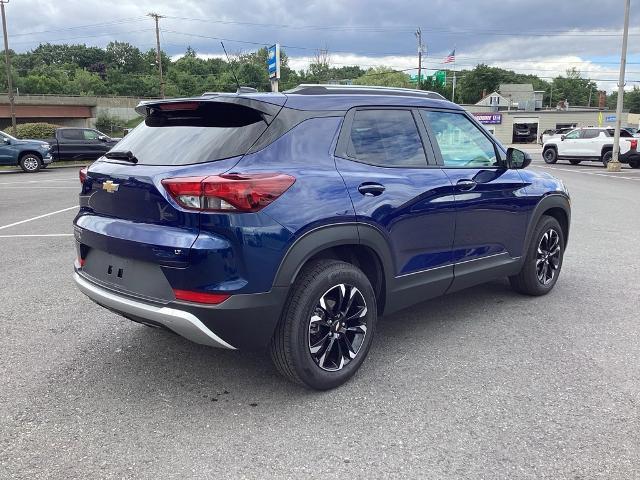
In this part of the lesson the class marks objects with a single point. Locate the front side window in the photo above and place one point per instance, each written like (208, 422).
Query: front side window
(573, 135)
(461, 142)
(90, 135)
(388, 138)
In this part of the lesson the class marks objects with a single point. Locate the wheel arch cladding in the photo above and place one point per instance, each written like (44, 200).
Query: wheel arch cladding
(341, 242)
(555, 205)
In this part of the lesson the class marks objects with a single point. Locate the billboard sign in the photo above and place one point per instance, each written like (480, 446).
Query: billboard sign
(488, 118)
(273, 61)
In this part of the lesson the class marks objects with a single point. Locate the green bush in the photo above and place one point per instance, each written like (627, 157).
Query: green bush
(39, 130)
(109, 123)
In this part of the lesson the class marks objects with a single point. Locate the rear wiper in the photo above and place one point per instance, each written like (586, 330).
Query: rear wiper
(121, 155)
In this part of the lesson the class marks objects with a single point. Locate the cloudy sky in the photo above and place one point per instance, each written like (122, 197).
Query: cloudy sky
(543, 36)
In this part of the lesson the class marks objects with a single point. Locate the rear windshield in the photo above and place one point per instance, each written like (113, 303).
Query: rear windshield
(202, 132)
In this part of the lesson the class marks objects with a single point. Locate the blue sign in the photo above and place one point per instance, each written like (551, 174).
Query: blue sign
(273, 61)
(610, 118)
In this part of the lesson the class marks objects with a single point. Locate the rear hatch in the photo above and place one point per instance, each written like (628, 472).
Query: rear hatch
(125, 209)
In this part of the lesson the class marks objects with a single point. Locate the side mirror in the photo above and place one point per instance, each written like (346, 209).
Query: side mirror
(562, 137)
(103, 138)
(517, 158)
(6, 141)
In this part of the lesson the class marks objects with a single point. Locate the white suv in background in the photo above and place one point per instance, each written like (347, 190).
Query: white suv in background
(591, 144)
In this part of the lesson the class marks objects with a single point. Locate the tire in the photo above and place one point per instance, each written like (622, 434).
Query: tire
(634, 163)
(30, 163)
(535, 281)
(309, 341)
(574, 162)
(550, 155)
(606, 157)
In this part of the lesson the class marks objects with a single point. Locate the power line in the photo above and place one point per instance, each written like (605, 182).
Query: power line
(86, 36)
(94, 25)
(449, 31)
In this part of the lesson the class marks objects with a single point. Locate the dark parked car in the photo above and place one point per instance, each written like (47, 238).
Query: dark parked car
(80, 144)
(292, 221)
(30, 155)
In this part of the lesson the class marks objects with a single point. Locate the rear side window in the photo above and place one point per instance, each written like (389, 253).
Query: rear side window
(201, 132)
(72, 134)
(590, 133)
(388, 138)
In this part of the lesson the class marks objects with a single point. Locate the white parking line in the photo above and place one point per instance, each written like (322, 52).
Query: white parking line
(40, 181)
(574, 170)
(38, 217)
(42, 235)
(38, 188)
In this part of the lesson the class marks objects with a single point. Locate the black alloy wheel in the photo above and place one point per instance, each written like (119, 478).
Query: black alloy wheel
(338, 327)
(548, 256)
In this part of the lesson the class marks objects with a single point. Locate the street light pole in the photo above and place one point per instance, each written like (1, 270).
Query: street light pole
(614, 164)
(12, 105)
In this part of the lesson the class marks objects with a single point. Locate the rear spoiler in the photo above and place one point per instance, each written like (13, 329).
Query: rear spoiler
(268, 110)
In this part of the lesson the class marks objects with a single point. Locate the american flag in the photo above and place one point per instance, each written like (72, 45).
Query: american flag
(451, 57)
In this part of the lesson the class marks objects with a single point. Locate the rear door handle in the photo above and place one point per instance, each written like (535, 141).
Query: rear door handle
(465, 185)
(371, 189)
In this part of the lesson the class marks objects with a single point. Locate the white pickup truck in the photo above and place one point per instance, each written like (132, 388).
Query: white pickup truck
(591, 144)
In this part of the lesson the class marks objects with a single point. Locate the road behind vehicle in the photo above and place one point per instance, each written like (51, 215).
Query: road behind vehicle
(591, 144)
(29, 155)
(80, 144)
(293, 221)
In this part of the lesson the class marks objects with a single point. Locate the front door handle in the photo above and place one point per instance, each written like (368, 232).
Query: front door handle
(466, 185)
(371, 189)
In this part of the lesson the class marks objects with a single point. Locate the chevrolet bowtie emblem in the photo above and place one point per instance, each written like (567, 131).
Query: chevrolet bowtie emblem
(110, 187)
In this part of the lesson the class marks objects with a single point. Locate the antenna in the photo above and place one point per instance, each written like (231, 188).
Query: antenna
(231, 66)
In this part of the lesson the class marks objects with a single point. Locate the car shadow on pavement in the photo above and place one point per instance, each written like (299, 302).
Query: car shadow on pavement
(161, 366)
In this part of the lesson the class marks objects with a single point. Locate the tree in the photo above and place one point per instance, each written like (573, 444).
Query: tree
(384, 77)
(319, 67)
(573, 88)
(126, 57)
(631, 100)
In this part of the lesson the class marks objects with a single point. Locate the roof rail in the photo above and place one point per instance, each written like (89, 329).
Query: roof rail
(324, 89)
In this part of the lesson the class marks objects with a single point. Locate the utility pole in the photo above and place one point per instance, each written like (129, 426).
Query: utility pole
(157, 18)
(418, 35)
(614, 164)
(12, 104)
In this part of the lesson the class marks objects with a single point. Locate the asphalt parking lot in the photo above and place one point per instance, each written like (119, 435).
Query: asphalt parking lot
(483, 383)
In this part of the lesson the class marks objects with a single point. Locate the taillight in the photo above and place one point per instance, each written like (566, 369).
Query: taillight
(82, 174)
(200, 297)
(634, 144)
(234, 192)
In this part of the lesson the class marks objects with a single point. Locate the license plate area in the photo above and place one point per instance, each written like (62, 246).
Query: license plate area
(130, 276)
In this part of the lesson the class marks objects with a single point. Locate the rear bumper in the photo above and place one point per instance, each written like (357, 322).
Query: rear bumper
(241, 322)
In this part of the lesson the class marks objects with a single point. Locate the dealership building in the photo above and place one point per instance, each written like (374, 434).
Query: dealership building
(515, 114)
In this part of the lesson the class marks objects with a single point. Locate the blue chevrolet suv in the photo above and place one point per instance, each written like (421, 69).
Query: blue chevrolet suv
(292, 221)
